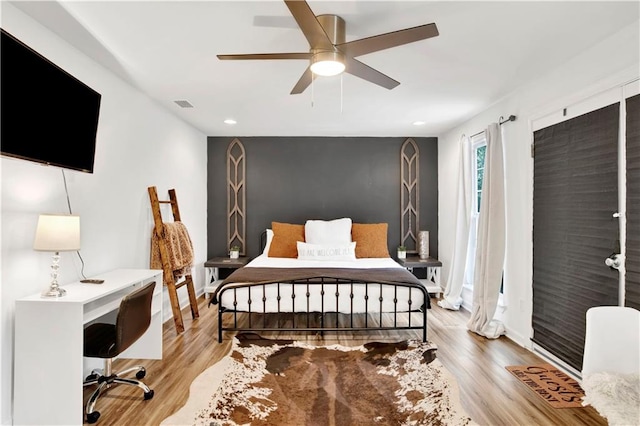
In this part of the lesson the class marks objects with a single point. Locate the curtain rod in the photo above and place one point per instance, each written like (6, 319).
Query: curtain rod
(510, 118)
(500, 122)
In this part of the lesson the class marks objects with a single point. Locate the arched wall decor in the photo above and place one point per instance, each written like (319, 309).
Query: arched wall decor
(236, 196)
(410, 195)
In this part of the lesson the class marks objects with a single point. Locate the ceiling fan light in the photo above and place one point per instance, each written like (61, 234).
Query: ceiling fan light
(327, 68)
(327, 64)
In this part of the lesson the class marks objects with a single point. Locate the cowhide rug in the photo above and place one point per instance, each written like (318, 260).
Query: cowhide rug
(284, 382)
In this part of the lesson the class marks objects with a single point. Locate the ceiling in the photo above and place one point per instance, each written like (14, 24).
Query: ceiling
(484, 51)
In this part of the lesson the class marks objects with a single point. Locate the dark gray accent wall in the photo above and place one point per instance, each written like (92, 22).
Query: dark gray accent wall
(292, 179)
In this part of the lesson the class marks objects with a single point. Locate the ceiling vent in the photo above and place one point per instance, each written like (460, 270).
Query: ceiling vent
(183, 104)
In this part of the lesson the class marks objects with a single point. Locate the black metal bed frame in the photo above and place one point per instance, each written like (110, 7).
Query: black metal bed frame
(327, 284)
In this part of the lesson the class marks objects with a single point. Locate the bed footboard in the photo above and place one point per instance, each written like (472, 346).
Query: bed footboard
(322, 305)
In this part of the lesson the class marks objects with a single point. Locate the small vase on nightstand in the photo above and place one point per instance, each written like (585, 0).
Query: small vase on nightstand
(234, 252)
(423, 244)
(402, 252)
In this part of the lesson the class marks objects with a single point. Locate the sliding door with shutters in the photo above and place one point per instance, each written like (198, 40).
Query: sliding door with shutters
(586, 208)
(632, 276)
(575, 196)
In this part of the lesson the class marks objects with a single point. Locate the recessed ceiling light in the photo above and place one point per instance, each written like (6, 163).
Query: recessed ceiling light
(230, 121)
(419, 123)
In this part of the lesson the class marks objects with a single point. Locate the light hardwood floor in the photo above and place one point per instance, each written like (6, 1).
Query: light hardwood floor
(488, 392)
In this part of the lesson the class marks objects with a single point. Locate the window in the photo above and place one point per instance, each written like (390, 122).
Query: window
(478, 151)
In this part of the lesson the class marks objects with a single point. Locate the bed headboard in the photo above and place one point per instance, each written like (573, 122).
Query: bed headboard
(263, 240)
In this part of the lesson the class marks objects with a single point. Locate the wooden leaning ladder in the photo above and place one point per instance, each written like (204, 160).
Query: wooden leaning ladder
(169, 280)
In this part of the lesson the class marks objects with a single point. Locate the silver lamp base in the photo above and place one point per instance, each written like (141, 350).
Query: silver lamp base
(54, 292)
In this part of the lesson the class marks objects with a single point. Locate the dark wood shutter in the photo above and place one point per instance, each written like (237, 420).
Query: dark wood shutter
(574, 197)
(632, 281)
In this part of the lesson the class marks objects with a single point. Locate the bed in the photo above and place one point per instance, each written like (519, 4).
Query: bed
(319, 277)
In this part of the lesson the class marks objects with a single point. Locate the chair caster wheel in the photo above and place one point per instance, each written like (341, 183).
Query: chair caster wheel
(91, 376)
(148, 395)
(93, 417)
(140, 374)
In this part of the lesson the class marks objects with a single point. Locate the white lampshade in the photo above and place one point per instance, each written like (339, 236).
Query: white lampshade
(57, 233)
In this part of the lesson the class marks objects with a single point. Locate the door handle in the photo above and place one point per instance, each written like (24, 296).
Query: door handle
(614, 261)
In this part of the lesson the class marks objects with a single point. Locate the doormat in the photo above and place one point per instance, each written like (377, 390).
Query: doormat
(550, 384)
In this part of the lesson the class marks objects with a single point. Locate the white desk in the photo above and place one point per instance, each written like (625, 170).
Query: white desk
(49, 368)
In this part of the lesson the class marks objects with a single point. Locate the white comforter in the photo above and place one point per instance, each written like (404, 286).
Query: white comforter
(263, 261)
(316, 301)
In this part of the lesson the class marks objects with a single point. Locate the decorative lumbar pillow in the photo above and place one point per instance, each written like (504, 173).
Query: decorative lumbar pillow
(308, 251)
(268, 243)
(337, 231)
(285, 237)
(371, 239)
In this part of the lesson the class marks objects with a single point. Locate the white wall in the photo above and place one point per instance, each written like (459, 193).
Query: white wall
(139, 144)
(612, 62)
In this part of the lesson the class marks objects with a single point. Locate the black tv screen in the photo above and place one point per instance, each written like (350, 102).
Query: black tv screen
(46, 114)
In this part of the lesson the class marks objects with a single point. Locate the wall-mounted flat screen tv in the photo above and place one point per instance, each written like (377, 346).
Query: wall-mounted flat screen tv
(46, 114)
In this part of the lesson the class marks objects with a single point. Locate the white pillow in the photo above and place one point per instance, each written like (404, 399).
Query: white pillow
(336, 231)
(268, 243)
(308, 251)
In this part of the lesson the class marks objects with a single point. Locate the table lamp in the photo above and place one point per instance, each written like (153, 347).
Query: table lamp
(56, 233)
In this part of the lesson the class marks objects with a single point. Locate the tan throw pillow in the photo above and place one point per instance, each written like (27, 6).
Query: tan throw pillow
(285, 239)
(371, 239)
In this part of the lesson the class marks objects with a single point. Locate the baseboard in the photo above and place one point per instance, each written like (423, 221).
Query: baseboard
(518, 338)
(526, 343)
(561, 365)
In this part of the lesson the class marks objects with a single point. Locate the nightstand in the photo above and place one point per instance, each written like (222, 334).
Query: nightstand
(432, 281)
(218, 268)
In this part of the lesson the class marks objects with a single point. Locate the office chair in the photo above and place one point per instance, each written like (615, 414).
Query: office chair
(110, 340)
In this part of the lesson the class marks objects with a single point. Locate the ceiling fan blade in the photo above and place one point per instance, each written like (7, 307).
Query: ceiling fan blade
(303, 83)
(305, 55)
(385, 41)
(365, 72)
(309, 24)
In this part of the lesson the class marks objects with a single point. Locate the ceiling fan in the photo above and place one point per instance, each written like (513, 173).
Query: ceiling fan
(329, 53)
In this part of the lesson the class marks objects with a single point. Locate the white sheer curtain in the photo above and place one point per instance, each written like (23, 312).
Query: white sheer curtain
(451, 298)
(490, 247)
